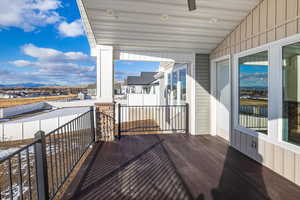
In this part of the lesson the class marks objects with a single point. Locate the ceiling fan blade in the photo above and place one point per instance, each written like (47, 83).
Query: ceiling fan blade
(192, 5)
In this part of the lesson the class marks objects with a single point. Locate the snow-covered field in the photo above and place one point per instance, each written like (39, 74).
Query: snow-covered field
(6, 152)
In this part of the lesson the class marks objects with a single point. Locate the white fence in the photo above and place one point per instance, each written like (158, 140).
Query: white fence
(69, 104)
(25, 129)
(142, 99)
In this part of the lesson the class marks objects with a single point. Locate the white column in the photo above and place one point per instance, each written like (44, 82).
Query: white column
(105, 73)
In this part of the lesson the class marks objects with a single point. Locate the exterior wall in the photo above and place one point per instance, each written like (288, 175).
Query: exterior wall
(269, 21)
(202, 94)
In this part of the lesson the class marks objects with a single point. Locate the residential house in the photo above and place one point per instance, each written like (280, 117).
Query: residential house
(230, 78)
(146, 83)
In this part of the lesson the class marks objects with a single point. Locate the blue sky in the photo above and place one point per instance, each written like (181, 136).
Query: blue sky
(43, 41)
(253, 76)
(130, 68)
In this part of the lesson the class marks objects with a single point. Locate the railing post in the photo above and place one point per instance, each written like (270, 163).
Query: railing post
(93, 123)
(187, 125)
(41, 166)
(119, 121)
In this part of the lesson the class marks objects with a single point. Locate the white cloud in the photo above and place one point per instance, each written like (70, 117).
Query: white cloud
(21, 63)
(68, 68)
(28, 14)
(45, 5)
(72, 29)
(48, 54)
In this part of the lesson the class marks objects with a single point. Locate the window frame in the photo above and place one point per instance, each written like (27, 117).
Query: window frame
(279, 46)
(179, 70)
(275, 92)
(213, 88)
(236, 98)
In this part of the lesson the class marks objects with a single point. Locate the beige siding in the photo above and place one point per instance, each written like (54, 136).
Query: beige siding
(297, 169)
(280, 160)
(202, 94)
(270, 20)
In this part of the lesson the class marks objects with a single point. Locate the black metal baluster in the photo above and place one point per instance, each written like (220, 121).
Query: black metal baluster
(69, 150)
(76, 139)
(51, 162)
(61, 169)
(63, 151)
(56, 164)
(20, 176)
(29, 173)
(10, 180)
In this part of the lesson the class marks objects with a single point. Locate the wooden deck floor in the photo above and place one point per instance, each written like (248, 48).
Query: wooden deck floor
(175, 167)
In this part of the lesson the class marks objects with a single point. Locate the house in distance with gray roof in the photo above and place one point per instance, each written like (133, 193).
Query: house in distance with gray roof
(146, 83)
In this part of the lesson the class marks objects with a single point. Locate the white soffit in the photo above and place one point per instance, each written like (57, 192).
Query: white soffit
(162, 25)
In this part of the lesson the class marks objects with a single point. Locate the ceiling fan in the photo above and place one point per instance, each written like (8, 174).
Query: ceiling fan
(192, 5)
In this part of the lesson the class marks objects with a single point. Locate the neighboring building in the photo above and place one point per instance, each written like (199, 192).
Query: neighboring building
(91, 90)
(7, 96)
(81, 96)
(146, 83)
(118, 88)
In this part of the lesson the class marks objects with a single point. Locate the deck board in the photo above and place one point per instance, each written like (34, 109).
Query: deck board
(176, 166)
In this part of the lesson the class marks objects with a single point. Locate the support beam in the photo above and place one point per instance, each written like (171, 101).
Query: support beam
(105, 73)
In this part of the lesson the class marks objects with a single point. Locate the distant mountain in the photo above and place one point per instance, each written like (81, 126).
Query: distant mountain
(24, 85)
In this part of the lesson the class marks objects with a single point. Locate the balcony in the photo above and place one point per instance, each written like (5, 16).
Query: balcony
(175, 166)
(152, 159)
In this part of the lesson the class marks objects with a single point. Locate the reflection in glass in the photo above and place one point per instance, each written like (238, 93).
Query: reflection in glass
(291, 93)
(253, 92)
(174, 85)
(182, 79)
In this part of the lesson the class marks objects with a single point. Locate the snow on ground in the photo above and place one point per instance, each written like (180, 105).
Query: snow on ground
(6, 152)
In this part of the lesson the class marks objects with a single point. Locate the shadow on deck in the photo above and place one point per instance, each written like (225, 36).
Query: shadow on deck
(175, 167)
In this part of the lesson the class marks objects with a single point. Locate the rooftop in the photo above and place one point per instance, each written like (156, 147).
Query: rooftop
(145, 78)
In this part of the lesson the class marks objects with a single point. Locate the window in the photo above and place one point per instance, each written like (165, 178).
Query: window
(291, 93)
(182, 79)
(174, 85)
(253, 92)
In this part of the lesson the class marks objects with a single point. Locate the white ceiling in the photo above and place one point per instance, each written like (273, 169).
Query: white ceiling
(162, 25)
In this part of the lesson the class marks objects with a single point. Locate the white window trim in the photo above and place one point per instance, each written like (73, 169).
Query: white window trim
(236, 92)
(213, 88)
(275, 90)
